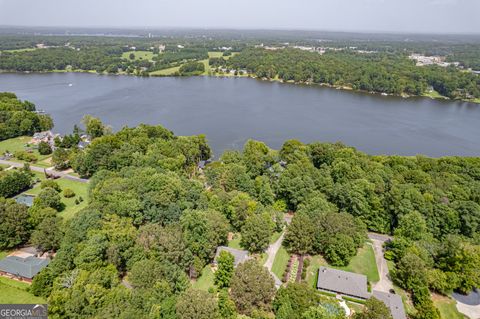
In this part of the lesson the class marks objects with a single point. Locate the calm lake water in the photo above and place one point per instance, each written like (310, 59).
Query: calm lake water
(231, 110)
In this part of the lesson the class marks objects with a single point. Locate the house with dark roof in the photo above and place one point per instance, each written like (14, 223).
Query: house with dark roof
(342, 283)
(22, 268)
(239, 255)
(393, 302)
(355, 285)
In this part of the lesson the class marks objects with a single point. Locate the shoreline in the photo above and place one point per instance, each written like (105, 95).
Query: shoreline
(228, 75)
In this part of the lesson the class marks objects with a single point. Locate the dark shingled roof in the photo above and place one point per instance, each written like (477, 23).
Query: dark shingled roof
(23, 267)
(393, 302)
(343, 282)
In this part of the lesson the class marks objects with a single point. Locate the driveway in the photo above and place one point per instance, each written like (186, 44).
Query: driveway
(472, 312)
(271, 253)
(42, 169)
(385, 283)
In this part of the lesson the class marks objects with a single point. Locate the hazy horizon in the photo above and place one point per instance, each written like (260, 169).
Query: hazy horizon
(363, 16)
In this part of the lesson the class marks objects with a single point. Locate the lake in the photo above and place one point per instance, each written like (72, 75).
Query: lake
(231, 110)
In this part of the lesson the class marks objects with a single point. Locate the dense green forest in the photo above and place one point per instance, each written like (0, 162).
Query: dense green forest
(382, 67)
(391, 73)
(19, 118)
(154, 220)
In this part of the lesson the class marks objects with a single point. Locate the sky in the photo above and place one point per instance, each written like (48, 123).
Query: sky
(418, 16)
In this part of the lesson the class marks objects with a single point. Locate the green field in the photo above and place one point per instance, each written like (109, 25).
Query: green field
(166, 72)
(280, 262)
(447, 308)
(139, 55)
(20, 50)
(12, 292)
(206, 280)
(363, 263)
(3, 254)
(20, 144)
(14, 144)
(80, 189)
(215, 54)
(235, 242)
(434, 95)
(172, 70)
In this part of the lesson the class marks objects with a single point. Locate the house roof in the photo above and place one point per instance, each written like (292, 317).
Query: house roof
(24, 267)
(393, 302)
(343, 282)
(239, 255)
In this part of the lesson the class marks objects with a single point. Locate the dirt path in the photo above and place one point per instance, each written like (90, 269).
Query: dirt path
(385, 283)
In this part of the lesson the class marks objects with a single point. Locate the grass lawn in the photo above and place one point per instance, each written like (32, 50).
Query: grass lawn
(139, 55)
(363, 263)
(207, 66)
(206, 280)
(20, 50)
(3, 254)
(220, 55)
(280, 262)
(16, 292)
(18, 144)
(434, 95)
(215, 54)
(80, 189)
(275, 237)
(235, 242)
(166, 72)
(357, 308)
(14, 144)
(447, 307)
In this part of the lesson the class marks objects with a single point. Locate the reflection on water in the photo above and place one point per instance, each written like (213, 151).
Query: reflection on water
(231, 110)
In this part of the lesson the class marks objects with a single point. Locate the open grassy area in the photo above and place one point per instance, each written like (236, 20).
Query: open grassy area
(447, 307)
(3, 253)
(15, 144)
(355, 307)
(20, 50)
(139, 55)
(14, 292)
(363, 263)
(80, 189)
(280, 262)
(166, 72)
(235, 242)
(206, 280)
(215, 54)
(434, 95)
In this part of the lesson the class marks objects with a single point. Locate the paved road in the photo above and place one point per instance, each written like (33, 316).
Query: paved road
(385, 283)
(473, 312)
(42, 169)
(272, 252)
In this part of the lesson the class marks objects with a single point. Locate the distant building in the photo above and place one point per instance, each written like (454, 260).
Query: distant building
(239, 255)
(355, 285)
(22, 268)
(47, 137)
